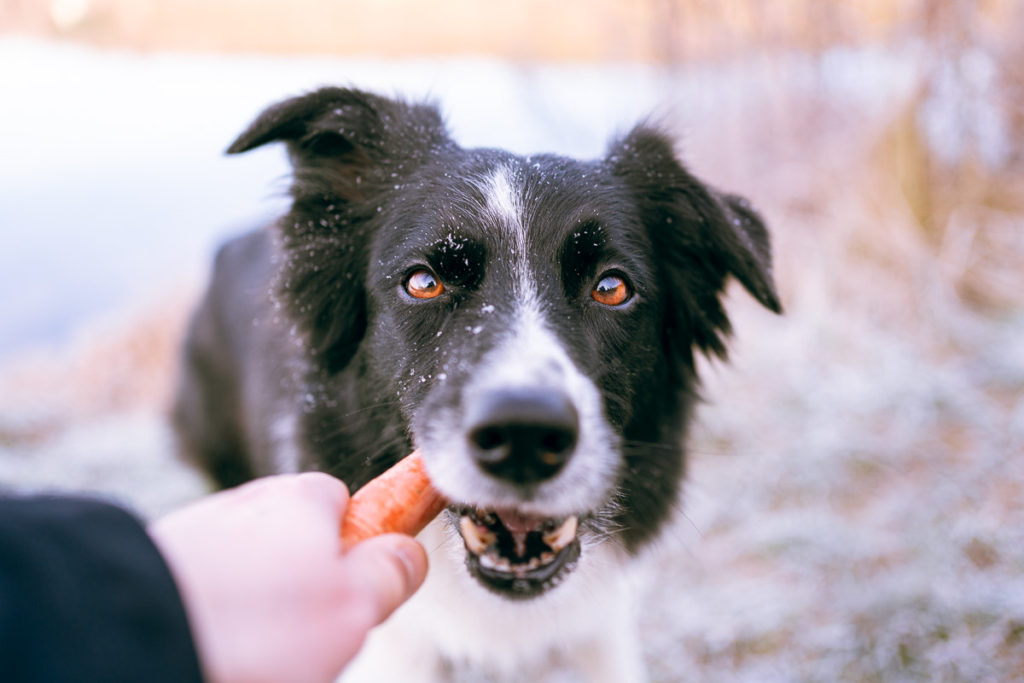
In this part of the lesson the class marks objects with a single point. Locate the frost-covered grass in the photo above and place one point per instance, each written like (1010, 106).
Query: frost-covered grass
(855, 508)
(855, 501)
(854, 514)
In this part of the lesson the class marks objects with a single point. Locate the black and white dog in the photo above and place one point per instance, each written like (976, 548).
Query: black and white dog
(529, 323)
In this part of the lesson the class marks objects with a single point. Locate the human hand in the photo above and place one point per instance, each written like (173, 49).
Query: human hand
(269, 592)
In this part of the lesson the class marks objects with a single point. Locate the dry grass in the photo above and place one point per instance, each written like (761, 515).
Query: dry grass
(90, 417)
(635, 30)
(118, 364)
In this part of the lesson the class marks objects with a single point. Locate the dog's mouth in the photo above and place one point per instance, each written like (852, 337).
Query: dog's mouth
(515, 554)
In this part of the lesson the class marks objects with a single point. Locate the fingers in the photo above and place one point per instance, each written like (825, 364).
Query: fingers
(386, 571)
(313, 486)
(331, 489)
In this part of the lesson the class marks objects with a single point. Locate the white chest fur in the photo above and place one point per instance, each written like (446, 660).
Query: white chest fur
(454, 630)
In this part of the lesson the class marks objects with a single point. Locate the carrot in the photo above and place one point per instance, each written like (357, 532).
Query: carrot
(401, 500)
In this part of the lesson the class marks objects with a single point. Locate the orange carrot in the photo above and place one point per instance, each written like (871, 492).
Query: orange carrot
(401, 500)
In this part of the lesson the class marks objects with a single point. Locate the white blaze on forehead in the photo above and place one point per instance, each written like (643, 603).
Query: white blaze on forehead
(505, 199)
(504, 193)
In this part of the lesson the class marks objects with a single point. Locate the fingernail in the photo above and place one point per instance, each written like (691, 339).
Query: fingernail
(410, 567)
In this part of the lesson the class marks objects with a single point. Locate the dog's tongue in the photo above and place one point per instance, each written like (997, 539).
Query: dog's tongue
(517, 522)
(518, 526)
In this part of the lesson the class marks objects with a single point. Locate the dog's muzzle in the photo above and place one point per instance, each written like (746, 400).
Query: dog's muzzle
(522, 437)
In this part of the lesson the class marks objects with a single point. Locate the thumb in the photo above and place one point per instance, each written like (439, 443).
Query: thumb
(387, 570)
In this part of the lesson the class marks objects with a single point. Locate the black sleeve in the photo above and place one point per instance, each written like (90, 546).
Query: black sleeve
(86, 597)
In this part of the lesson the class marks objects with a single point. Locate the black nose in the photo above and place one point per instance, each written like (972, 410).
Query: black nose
(523, 436)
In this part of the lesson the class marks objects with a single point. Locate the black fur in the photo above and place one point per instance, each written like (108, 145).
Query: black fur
(311, 318)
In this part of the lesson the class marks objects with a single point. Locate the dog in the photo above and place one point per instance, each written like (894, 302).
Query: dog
(529, 323)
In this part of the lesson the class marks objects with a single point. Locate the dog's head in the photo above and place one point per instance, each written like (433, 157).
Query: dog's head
(533, 320)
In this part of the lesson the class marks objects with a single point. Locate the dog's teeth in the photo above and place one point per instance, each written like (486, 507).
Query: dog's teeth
(563, 535)
(487, 518)
(546, 558)
(476, 539)
(495, 562)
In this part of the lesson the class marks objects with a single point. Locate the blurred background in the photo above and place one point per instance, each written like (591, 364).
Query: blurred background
(855, 506)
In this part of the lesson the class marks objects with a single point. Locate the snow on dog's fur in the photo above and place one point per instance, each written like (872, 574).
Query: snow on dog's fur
(528, 323)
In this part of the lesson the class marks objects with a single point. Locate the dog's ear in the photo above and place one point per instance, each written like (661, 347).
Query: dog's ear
(700, 236)
(348, 150)
(746, 241)
(347, 143)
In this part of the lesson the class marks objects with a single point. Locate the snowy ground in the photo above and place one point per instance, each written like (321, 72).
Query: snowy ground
(855, 508)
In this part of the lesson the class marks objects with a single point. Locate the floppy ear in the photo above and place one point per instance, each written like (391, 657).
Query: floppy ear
(700, 236)
(346, 142)
(348, 149)
(748, 246)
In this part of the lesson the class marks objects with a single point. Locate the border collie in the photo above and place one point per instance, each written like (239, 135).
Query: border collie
(529, 323)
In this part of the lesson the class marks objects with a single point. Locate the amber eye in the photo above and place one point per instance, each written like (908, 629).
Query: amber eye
(612, 290)
(422, 284)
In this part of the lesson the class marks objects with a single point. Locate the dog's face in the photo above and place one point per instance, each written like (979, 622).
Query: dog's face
(532, 320)
(512, 300)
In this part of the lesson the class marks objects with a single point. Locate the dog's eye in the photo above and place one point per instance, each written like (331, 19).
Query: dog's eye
(422, 284)
(612, 290)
